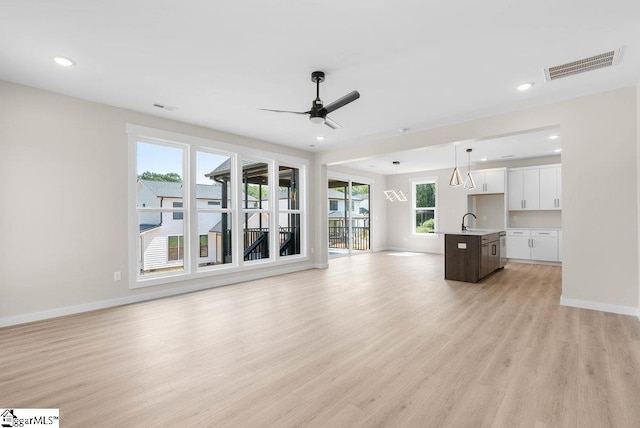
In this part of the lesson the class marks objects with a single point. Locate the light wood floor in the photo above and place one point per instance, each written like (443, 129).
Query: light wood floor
(375, 340)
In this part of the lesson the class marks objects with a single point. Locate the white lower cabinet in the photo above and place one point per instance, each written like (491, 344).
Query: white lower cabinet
(528, 244)
(518, 244)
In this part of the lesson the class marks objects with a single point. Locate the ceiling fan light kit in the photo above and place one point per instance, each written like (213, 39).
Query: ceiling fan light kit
(318, 113)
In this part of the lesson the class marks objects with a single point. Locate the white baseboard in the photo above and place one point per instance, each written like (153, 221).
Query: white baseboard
(603, 307)
(411, 250)
(86, 307)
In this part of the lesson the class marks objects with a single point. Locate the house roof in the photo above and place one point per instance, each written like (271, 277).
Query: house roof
(335, 194)
(148, 227)
(340, 214)
(167, 189)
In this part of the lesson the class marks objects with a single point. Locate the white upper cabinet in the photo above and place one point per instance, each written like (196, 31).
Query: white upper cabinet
(524, 189)
(550, 188)
(488, 181)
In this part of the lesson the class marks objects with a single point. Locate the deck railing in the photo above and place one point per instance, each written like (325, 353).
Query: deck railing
(339, 237)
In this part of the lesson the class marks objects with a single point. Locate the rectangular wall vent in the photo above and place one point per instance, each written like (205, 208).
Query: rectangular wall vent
(602, 60)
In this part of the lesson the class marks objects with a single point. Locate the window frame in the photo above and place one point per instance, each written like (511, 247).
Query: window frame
(190, 146)
(206, 246)
(414, 209)
(180, 248)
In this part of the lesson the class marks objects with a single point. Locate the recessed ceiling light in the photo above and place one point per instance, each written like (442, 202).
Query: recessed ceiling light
(554, 137)
(525, 86)
(507, 156)
(320, 138)
(484, 159)
(557, 150)
(372, 166)
(63, 61)
(403, 130)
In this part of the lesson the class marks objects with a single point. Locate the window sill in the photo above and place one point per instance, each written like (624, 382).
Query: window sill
(248, 266)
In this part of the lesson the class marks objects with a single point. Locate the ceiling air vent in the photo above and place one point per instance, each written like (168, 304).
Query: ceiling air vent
(602, 60)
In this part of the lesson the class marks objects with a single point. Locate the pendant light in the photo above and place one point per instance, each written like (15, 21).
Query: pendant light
(469, 183)
(395, 195)
(456, 179)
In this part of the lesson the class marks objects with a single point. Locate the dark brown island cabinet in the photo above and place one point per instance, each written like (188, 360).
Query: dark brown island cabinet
(471, 256)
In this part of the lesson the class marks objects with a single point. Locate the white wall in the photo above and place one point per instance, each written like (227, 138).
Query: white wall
(63, 165)
(451, 203)
(599, 144)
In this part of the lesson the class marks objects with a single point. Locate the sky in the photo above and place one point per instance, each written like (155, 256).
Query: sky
(165, 159)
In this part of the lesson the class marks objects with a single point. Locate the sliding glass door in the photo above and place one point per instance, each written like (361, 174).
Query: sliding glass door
(349, 217)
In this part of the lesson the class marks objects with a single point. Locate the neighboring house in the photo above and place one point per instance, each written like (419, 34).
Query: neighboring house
(161, 234)
(338, 215)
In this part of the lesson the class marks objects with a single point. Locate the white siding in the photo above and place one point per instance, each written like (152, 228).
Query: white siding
(154, 243)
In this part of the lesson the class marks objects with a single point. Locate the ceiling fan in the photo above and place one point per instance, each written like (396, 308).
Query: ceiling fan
(318, 113)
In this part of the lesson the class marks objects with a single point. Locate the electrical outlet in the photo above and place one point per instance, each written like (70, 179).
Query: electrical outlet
(515, 217)
(313, 250)
(484, 217)
(117, 276)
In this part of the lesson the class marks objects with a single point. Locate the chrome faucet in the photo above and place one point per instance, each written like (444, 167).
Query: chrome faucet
(463, 217)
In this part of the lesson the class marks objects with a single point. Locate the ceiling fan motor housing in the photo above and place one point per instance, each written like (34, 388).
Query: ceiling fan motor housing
(317, 76)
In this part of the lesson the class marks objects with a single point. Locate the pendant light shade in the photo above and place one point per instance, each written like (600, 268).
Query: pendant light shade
(469, 183)
(456, 178)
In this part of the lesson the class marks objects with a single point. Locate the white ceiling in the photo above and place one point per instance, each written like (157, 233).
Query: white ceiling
(417, 64)
(504, 149)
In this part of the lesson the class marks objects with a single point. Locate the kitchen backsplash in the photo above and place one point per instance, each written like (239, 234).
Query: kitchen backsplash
(533, 219)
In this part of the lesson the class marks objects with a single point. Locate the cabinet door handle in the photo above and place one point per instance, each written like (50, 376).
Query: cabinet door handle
(525, 203)
(493, 250)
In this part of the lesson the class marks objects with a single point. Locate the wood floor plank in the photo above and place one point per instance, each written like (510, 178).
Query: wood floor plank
(375, 340)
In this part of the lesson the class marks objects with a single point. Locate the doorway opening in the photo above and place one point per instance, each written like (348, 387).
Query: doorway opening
(349, 217)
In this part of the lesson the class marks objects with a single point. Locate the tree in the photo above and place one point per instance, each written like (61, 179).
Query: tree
(154, 176)
(426, 195)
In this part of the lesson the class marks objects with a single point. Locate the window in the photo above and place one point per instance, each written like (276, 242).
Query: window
(202, 207)
(177, 215)
(204, 246)
(424, 206)
(333, 205)
(176, 248)
(289, 209)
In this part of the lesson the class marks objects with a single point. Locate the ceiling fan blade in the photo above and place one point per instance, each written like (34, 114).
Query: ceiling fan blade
(331, 123)
(341, 102)
(284, 111)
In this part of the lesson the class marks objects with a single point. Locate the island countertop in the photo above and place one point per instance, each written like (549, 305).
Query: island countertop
(471, 232)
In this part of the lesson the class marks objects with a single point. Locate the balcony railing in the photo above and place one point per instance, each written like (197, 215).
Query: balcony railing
(339, 238)
(256, 242)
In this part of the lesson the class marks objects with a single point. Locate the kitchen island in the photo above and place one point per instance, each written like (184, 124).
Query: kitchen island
(472, 254)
